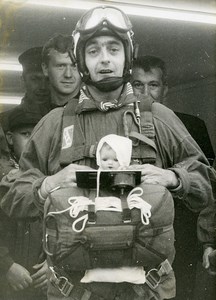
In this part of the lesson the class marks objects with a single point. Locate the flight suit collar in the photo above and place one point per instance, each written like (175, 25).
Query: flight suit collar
(86, 103)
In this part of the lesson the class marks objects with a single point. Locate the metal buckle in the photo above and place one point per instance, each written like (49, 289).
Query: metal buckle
(61, 283)
(153, 279)
(64, 286)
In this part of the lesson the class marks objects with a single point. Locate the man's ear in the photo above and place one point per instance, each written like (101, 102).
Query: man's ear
(165, 90)
(45, 69)
(9, 137)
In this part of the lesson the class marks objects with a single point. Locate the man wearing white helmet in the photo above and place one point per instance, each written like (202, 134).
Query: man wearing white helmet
(65, 141)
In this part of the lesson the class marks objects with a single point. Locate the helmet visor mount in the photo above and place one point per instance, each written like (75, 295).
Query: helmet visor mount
(113, 17)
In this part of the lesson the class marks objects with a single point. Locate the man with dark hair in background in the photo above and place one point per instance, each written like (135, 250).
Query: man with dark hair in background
(149, 77)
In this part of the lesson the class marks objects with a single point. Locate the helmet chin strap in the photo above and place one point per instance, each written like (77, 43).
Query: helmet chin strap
(107, 84)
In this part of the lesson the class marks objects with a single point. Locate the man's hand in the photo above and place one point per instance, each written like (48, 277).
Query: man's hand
(64, 178)
(154, 175)
(18, 277)
(206, 261)
(40, 277)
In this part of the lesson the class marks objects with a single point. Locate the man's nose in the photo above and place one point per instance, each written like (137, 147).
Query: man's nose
(104, 56)
(68, 71)
(145, 90)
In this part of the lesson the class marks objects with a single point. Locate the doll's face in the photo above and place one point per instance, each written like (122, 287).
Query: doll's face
(108, 158)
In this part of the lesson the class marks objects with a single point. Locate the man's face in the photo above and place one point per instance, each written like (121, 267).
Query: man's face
(19, 138)
(104, 57)
(149, 83)
(36, 86)
(63, 76)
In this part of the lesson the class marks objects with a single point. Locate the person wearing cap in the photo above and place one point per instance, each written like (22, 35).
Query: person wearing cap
(21, 125)
(35, 84)
(21, 255)
(62, 74)
(66, 140)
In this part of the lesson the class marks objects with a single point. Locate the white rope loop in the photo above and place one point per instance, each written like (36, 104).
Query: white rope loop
(76, 205)
(134, 200)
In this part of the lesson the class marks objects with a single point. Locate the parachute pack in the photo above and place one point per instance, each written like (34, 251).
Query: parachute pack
(112, 220)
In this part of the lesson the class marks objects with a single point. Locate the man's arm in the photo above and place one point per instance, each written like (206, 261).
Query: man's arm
(206, 227)
(181, 154)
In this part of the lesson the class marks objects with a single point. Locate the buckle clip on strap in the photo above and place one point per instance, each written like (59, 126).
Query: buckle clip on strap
(61, 283)
(153, 277)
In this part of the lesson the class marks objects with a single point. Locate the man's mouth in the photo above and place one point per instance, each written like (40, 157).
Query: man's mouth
(106, 71)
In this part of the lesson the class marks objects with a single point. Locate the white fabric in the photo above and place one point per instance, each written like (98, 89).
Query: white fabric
(134, 275)
(120, 144)
(108, 204)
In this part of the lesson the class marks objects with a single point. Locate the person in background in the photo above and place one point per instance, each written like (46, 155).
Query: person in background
(21, 125)
(63, 76)
(36, 86)
(37, 95)
(5, 165)
(205, 287)
(22, 263)
(65, 141)
(149, 77)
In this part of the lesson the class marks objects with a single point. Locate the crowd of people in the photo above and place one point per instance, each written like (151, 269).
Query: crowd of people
(90, 104)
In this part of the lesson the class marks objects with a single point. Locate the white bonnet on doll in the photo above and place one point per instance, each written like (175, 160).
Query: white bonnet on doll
(120, 144)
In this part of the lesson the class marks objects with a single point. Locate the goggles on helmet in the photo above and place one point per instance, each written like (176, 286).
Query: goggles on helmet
(96, 17)
(103, 20)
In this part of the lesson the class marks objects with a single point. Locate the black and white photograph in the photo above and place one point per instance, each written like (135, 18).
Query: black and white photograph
(107, 150)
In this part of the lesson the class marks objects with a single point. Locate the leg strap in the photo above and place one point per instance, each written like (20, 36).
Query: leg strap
(153, 278)
(66, 288)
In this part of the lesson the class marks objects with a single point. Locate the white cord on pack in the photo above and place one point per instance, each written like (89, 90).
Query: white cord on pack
(80, 203)
(98, 182)
(77, 204)
(134, 200)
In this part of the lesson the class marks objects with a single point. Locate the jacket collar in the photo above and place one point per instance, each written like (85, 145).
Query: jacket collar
(86, 103)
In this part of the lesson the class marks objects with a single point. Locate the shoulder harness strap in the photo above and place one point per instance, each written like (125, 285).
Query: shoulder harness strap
(138, 126)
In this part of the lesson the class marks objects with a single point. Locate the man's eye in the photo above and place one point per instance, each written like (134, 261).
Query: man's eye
(154, 85)
(92, 51)
(60, 66)
(26, 134)
(137, 85)
(114, 49)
